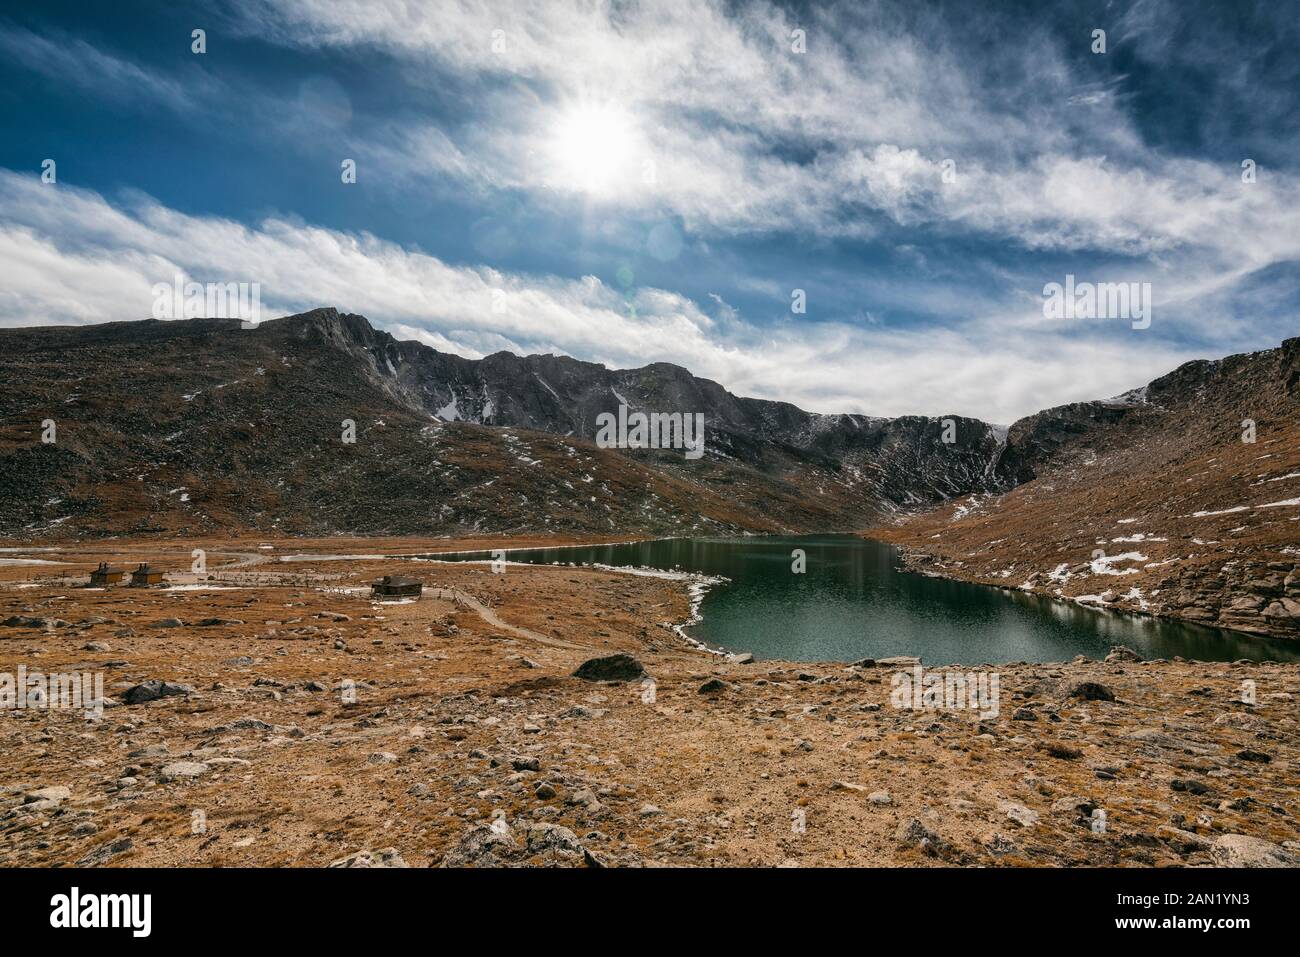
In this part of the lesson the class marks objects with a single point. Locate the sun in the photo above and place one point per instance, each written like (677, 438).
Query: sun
(592, 149)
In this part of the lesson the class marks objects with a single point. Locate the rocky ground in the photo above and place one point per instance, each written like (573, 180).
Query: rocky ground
(274, 715)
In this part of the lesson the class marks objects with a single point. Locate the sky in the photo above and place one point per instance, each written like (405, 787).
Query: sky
(854, 207)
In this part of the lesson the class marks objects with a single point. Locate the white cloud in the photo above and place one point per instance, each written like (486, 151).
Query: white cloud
(746, 136)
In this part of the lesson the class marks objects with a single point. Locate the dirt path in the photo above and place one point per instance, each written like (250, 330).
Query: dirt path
(493, 619)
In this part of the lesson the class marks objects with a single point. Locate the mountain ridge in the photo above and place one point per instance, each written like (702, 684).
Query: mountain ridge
(245, 424)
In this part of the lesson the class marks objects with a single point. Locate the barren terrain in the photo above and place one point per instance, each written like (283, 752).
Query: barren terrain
(312, 726)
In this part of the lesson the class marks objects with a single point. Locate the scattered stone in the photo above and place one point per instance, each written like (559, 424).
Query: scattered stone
(1189, 786)
(544, 791)
(55, 793)
(104, 852)
(183, 770)
(381, 757)
(1183, 841)
(385, 858)
(880, 797)
(558, 845)
(1072, 804)
(713, 686)
(1019, 813)
(250, 724)
(1246, 754)
(23, 621)
(1090, 691)
(913, 832)
(481, 846)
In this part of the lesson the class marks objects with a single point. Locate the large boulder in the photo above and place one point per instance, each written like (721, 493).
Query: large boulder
(611, 668)
(1240, 850)
(154, 689)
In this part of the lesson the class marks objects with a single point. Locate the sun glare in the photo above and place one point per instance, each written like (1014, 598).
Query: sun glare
(592, 149)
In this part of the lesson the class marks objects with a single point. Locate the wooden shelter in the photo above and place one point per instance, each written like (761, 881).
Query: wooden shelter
(103, 575)
(145, 575)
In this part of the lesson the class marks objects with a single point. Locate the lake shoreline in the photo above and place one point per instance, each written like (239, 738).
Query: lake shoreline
(718, 626)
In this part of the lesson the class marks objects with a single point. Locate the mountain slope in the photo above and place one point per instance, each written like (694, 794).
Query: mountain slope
(1154, 502)
(193, 426)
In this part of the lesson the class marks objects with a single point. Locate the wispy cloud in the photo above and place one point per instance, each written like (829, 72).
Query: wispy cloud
(72, 61)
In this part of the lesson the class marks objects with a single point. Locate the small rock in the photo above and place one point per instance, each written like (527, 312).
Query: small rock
(385, 858)
(1019, 813)
(1189, 786)
(183, 770)
(54, 793)
(1090, 691)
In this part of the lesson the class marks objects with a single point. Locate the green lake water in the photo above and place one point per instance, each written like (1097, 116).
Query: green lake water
(855, 601)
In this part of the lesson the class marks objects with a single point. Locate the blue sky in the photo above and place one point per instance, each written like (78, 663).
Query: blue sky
(629, 183)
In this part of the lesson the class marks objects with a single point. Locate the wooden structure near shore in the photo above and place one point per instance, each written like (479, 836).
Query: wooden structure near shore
(104, 575)
(146, 575)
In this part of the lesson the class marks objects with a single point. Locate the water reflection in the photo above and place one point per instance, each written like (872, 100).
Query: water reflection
(854, 601)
